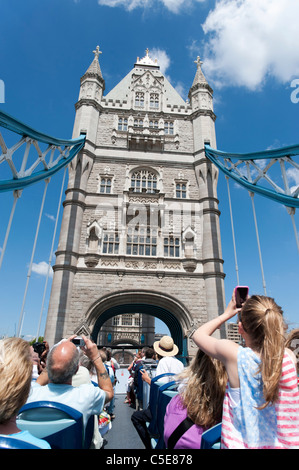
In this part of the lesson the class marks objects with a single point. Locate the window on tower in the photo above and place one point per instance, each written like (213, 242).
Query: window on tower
(122, 124)
(105, 185)
(144, 181)
(141, 241)
(181, 190)
(168, 127)
(172, 247)
(139, 99)
(154, 100)
(110, 243)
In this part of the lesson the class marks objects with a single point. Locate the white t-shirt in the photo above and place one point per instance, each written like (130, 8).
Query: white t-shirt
(169, 364)
(86, 398)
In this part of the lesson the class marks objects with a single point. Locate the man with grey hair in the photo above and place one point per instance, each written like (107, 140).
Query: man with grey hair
(55, 383)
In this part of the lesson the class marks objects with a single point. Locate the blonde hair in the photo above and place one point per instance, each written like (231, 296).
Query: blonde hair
(15, 376)
(262, 319)
(205, 389)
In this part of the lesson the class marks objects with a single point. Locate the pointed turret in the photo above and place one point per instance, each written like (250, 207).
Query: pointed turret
(200, 93)
(92, 82)
(201, 100)
(94, 70)
(199, 81)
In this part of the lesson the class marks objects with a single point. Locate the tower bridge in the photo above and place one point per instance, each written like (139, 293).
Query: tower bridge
(140, 230)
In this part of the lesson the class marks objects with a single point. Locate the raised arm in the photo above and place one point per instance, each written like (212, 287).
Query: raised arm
(104, 381)
(221, 349)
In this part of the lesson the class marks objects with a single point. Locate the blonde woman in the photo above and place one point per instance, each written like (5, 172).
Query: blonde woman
(261, 405)
(199, 402)
(15, 382)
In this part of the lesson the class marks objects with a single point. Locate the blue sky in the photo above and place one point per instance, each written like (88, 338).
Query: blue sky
(250, 57)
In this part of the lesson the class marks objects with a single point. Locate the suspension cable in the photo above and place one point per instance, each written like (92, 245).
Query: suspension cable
(31, 260)
(233, 231)
(51, 254)
(258, 242)
(16, 195)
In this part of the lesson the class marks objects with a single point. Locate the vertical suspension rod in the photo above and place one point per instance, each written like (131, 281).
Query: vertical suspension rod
(233, 231)
(16, 195)
(31, 260)
(51, 254)
(258, 242)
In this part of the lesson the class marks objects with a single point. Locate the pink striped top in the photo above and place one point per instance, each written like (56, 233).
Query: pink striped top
(274, 427)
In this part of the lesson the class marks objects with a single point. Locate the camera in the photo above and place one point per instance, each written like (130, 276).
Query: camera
(78, 341)
(241, 294)
(39, 348)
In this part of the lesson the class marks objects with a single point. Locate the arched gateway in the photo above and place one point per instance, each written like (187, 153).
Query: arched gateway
(167, 309)
(140, 229)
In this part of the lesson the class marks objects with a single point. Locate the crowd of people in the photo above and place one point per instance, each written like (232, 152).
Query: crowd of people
(252, 390)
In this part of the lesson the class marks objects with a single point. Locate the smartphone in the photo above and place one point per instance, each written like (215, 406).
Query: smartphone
(241, 294)
(78, 341)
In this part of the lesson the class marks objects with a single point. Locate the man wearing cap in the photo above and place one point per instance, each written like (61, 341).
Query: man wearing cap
(168, 363)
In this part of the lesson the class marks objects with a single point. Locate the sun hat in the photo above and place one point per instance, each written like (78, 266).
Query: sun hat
(165, 346)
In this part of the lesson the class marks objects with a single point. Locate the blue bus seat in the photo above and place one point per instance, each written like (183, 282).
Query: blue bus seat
(8, 442)
(165, 394)
(60, 425)
(156, 383)
(211, 438)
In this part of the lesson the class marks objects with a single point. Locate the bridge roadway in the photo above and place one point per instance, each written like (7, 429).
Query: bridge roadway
(123, 435)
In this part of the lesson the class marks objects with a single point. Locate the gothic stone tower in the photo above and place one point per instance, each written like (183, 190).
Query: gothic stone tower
(140, 229)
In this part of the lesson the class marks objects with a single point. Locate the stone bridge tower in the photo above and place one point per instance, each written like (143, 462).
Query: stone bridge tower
(140, 230)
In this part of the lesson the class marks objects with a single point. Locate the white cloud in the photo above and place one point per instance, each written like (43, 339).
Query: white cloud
(42, 269)
(249, 40)
(172, 5)
(162, 58)
(51, 217)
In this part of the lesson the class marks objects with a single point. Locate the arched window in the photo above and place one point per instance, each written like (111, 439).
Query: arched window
(154, 100)
(144, 181)
(139, 99)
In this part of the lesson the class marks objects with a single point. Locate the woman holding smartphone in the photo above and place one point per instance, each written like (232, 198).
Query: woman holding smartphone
(261, 404)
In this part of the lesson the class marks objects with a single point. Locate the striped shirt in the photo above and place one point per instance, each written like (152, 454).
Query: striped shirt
(274, 427)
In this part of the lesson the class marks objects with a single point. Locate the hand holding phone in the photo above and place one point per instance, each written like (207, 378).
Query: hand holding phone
(241, 294)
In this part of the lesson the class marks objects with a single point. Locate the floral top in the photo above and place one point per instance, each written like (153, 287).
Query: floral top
(244, 426)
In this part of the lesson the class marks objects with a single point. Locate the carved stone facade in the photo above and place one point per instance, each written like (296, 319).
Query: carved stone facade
(140, 230)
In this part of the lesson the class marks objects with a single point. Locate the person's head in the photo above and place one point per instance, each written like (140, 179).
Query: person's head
(292, 342)
(62, 362)
(15, 376)
(166, 347)
(149, 353)
(263, 327)
(204, 392)
(103, 354)
(109, 354)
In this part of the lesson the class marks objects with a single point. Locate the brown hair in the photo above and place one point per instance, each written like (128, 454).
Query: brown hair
(205, 389)
(262, 319)
(15, 376)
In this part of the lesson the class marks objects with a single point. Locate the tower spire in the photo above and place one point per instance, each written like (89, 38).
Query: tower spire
(199, 76)
(94, 69)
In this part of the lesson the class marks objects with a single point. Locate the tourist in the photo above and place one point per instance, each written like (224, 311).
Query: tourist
(168, 363)
(262, 376)
(198, 405)
(15, 382)
(55, 383)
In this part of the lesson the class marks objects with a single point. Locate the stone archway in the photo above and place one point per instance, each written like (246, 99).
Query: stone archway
(160, 305)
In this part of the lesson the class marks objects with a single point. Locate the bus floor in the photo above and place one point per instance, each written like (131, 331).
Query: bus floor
(123, 434)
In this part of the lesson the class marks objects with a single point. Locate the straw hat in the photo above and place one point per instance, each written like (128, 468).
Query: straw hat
(166, 347)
